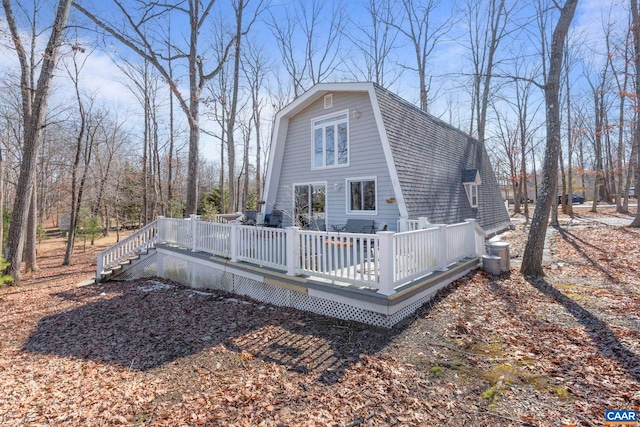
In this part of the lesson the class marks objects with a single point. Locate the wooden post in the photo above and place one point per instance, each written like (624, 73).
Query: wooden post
(443, 253)
(404, 225)
(386, 263)
(234, 241)
(293, 251)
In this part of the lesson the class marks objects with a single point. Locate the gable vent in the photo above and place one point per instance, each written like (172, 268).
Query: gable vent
(328, 101)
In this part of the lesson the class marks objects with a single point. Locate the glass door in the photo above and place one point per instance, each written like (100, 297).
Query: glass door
(310, 206)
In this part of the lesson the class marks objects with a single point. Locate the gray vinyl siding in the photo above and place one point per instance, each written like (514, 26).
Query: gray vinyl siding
(366, 159)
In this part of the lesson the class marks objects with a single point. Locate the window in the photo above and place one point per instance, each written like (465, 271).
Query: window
(331, 141)
(362, 195)
(471, 181)
(472, 194)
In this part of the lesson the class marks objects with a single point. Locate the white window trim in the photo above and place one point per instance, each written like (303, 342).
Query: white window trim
(326, 203)
(313, 159)
(347, 194)
(470, 188)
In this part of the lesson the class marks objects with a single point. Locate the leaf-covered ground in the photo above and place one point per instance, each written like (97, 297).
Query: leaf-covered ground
(489, 351)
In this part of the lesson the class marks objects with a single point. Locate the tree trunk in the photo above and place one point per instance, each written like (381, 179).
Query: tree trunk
(231, 121)
(34, 119)
(30, 249)
(533, 252)
(636, 132)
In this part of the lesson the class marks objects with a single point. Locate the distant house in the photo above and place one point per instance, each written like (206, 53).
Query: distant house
(356, 150)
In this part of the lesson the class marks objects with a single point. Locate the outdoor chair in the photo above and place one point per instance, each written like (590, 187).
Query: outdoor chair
(356, 226)
(273, 220)
(316, 225)
(250, 218)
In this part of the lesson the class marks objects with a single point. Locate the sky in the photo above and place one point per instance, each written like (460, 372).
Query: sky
(103, 78)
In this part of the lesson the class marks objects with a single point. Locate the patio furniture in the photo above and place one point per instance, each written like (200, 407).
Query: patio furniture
(250, 218)
(274, 219)
(356, 226)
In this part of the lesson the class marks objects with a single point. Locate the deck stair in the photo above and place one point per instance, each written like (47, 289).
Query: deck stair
(128, 252)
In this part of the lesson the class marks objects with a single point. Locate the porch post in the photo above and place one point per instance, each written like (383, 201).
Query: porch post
(234, 242)
(472, 236)
(100, 266)
(386, 258)
(160, 230)
(194, 235)
(293, 251)
(443, 253)
(403, 225)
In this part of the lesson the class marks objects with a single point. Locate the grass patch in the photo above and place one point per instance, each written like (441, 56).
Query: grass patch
(489, 350)
(438, 371)
(576, 297)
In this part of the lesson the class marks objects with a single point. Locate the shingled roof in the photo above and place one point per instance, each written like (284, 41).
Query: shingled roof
(432, 160)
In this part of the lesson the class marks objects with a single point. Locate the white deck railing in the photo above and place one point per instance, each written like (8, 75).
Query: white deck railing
(383, 261)
(416, 254)
(349, 257)
(139, 241)
(262, 245)
(212, 237)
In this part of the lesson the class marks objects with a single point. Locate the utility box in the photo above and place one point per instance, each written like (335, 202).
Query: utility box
(500, 249)
(491, 264)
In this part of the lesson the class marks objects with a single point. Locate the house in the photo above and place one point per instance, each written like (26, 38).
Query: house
(356, 150)
(349, 153)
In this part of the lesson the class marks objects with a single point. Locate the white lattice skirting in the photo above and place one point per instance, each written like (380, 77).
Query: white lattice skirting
(202, 273)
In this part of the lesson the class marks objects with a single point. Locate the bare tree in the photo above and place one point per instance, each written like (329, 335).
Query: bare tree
(87, 128)
(487, 24)
(532, 258)
(34, 102)
(621, 78)
(143, 84)
(635, 16)
(420, 26)
(376, 41)
(133, 34)
(255, 69)
(320, 36)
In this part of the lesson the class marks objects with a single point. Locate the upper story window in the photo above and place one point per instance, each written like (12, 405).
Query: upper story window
(331, 140)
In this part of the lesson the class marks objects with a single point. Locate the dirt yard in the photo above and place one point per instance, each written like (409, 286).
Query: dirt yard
(489, 351)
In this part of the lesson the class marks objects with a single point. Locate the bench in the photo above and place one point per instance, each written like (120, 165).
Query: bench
(356, 226)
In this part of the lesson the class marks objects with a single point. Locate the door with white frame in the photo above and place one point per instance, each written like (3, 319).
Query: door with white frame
(310, 205)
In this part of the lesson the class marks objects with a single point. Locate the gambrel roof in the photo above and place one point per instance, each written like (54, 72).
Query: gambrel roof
(433, 160)
(428, 160)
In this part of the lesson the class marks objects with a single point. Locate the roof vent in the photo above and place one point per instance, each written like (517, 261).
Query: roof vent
(328, 101)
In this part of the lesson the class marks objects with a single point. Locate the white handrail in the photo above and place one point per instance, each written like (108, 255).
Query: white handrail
(384, 260)
(142, 239)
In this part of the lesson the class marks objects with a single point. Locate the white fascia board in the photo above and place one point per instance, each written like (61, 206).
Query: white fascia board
(275, 162)
(388, 155)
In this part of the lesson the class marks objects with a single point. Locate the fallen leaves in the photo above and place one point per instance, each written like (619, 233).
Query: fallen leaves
(155, 353)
